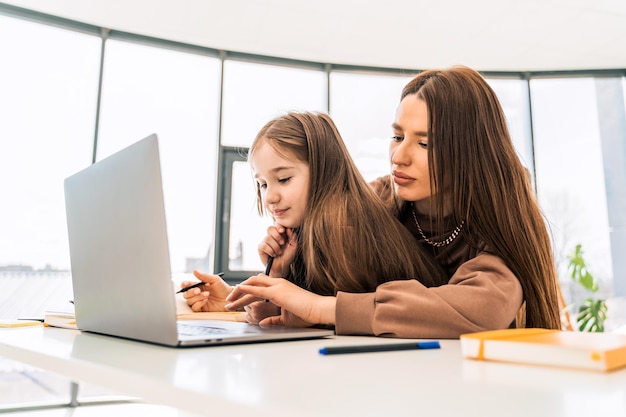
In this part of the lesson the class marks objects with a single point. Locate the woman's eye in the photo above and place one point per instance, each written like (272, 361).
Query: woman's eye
(397, 138)
(283, 180)
(424, 145)
(262, 186)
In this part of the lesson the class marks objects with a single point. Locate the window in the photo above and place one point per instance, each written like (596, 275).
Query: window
(513, 96)
(256, 93)
(364, 106)
(175, 95)
(570, 176)
(49, 84)
(206, 120)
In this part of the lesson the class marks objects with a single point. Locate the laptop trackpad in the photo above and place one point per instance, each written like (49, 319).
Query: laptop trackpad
(214, 327)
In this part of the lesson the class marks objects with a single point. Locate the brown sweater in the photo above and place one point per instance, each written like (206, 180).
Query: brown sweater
(482, 294)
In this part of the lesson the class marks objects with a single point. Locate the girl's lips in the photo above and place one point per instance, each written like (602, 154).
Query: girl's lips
(278, 213)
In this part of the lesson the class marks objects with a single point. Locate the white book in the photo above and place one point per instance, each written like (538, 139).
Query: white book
(60, 318)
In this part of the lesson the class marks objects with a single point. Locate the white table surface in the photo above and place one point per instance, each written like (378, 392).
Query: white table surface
(291, 379)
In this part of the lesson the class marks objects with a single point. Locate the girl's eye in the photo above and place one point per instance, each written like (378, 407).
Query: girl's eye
(397, 138)
(284, 180)
(423, 145)
(262, 186)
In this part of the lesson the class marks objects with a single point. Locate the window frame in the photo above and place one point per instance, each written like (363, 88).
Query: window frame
(227, 156)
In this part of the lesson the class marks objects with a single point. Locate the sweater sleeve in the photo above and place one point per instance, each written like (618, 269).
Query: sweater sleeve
(483, 294)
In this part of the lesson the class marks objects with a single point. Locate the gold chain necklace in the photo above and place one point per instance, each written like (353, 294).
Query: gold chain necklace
(445, 242)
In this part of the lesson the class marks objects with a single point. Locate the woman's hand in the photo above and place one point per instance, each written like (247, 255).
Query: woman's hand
(209, 297)
(281, 244)
(300, 307)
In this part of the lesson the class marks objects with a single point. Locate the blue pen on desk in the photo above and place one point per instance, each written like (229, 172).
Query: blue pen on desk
(334, 350)
(196, 285)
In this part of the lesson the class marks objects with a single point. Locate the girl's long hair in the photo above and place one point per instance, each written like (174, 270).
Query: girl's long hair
(348, 240)
(474, 164)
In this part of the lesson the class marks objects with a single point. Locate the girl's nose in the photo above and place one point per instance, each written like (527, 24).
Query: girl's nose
(271, 195)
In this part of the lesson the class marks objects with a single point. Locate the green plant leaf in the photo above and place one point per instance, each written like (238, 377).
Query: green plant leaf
(577, 268)
(592, 315)
(588, 281)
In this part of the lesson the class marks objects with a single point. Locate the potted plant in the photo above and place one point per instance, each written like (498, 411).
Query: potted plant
(591, 313)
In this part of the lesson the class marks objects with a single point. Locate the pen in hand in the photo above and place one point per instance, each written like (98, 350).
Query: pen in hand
(268, 267)
(196, 285)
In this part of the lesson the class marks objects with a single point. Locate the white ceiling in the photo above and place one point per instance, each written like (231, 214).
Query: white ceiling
(488, 35)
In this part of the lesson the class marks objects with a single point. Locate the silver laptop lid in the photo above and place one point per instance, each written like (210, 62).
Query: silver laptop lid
(120, 257)
(118, 246)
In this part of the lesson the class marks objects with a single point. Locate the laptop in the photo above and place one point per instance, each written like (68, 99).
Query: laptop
(120, 260)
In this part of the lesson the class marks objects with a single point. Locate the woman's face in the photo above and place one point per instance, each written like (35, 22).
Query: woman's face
(409, 150)
(284, 185)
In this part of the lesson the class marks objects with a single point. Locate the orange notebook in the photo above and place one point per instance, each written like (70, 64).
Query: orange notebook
(593, 351)
(18, 323)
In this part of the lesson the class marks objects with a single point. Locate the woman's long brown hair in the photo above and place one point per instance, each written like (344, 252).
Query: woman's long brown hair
(348, 240)
(473, 161)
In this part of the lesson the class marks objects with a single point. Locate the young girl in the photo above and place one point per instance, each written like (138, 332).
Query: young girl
(457, 184)
(336, 232)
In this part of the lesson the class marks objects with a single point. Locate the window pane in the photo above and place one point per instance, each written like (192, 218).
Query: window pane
(570, 176)
(175, 95)
(48, 80)
(245, 236)
(364, 106)
(513, 96)
(256, 93)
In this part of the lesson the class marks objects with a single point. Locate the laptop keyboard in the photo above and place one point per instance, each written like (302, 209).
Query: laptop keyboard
(196, 330)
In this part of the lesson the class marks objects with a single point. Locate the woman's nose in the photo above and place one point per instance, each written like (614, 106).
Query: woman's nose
(398, 153)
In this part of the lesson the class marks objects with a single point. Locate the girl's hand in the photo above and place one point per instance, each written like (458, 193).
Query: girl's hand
(287, 319)
(281, 244)
(259, 310)
(306, 307)
(209, 297)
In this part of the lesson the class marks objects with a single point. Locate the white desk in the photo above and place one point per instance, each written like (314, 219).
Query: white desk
(291, 379)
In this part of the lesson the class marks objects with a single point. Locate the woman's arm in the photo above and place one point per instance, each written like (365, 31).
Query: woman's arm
(483, 294)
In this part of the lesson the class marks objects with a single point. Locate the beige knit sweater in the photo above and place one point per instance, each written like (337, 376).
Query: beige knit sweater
(482, 294)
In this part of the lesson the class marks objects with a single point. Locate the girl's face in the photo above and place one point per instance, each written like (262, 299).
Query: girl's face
(284, 185)
(409, 150)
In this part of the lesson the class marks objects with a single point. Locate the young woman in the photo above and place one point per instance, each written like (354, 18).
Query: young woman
(457, 184)
(337, 233)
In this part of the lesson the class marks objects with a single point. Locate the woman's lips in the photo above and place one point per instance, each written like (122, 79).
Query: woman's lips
(401, 179)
